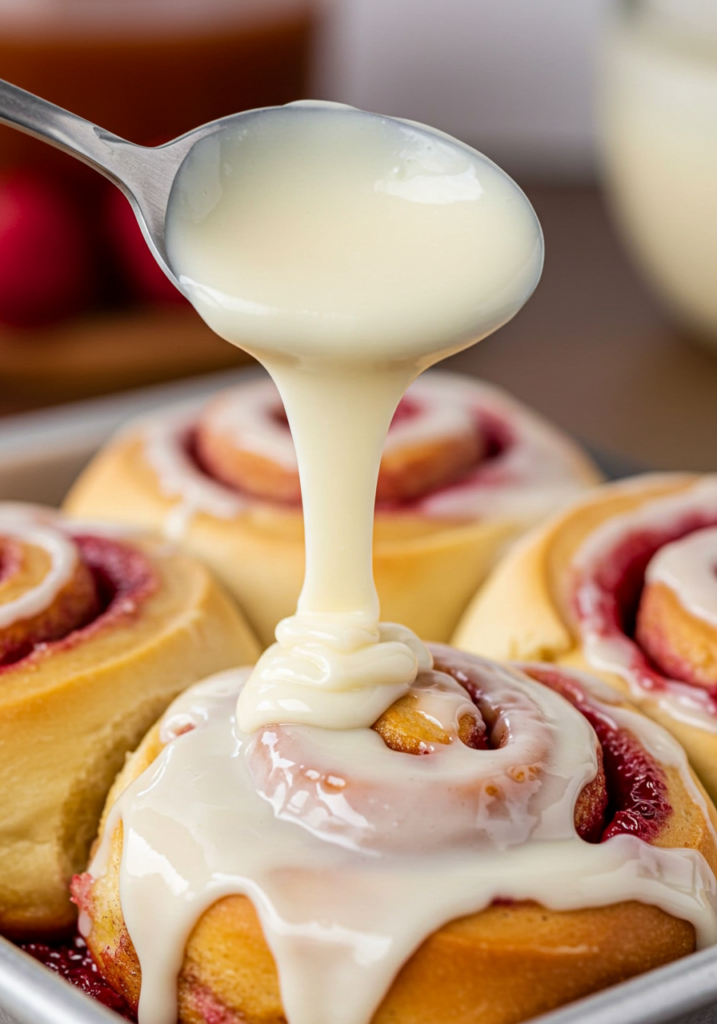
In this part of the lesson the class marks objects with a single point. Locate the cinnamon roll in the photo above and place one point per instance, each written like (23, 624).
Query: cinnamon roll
(464, 471)
(99, 630)
(501, 841)
(625, 584)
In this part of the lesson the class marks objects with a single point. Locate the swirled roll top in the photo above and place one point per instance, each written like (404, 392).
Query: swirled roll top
(99, 630)
(457, 449)
(436, 438)
(391, 853)
(464, 469)
(46, 589)
(624, 583)
(54, 582)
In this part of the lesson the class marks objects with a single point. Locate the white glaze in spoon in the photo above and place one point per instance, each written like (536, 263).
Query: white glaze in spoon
(347, 252)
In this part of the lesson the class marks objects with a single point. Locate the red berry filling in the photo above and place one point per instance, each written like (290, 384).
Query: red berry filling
(72, 960)
(636, 786)
(123, 578)
(635, 799)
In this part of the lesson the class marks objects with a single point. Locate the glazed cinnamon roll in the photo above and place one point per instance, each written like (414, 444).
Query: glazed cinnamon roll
(464, 471)
(99, 630)
(624, 583)
(501, 840)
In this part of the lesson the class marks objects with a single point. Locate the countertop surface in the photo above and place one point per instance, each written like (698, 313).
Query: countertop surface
(594, 349)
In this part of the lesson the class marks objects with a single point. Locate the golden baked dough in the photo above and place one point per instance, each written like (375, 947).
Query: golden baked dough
(527, 610)
(71, 708)
(426, 567)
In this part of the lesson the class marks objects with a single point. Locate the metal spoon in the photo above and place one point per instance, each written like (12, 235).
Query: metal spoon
(144, 173)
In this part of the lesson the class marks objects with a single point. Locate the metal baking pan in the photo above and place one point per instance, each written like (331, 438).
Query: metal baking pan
(40, 455)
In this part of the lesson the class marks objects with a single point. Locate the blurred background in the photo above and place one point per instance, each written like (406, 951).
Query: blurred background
(604, 111)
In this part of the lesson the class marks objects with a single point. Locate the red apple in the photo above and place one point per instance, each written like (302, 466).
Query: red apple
(46, 262)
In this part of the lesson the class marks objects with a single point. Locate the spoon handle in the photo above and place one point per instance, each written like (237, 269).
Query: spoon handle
(106, 152)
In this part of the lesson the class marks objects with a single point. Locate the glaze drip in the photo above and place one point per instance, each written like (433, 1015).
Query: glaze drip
(347, 252)
(365, 851)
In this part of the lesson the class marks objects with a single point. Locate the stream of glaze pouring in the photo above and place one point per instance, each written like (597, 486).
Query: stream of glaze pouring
(348, 252)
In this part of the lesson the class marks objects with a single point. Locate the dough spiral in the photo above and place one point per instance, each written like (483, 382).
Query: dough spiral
(99, 630)
(624, 584)
(491, 819)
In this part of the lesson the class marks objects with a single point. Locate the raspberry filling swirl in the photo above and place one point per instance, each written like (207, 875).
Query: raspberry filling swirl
(57, 589)
(480, 785)
(457, 449)
(645, 599)
(632, 798)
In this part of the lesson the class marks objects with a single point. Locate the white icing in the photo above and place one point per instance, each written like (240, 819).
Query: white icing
(179, 477)
(55, 534)
(63, 563)
(444, 703)
(49, 530)
(247, 415)
(24, 512)
(538, 472)
(689, 568)
(332, 672)
(299, 231)
(442, 412)
(364, 851)
(612, 651)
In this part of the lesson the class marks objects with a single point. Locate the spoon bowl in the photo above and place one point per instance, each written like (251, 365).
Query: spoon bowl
(401, 176)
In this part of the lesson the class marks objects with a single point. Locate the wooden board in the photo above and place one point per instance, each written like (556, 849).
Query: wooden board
(108, 352)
